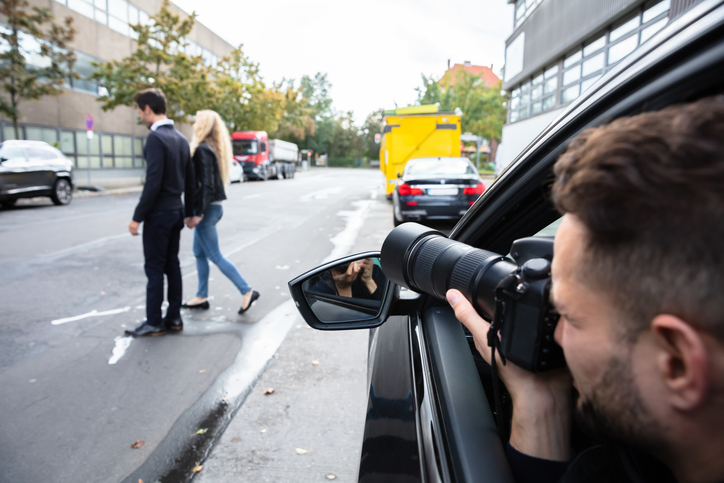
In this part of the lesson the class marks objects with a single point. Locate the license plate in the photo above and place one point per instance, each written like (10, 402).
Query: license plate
(442, 191)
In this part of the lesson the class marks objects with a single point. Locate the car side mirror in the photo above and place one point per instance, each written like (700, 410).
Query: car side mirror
(349, 293)
(2, 160)
(399, 175)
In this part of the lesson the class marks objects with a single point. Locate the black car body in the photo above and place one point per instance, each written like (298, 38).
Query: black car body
(436, 189)
(34, 168)
(428, 413)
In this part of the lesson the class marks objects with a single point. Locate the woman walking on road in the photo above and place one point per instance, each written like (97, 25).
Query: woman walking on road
(211, 151)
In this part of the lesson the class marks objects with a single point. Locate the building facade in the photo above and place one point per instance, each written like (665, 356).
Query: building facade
(559, 48)
(115, 154)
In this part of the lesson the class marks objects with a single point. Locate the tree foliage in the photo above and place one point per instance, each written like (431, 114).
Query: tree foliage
(160, 61)
(32, 35)
(483, 107)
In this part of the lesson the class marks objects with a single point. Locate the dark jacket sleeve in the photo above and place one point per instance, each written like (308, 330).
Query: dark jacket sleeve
(529, 469)
(189, 185)
(154, 153)
(204, 166)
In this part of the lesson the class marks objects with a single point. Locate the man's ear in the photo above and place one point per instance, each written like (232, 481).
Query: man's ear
(682, 361)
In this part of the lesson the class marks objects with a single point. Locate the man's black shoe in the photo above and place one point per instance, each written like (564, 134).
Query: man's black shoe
(174, 325)
(146, 330)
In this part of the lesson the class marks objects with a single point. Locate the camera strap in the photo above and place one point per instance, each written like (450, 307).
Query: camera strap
(502, 295)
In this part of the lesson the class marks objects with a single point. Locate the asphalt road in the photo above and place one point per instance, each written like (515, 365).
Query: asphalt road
(76, 393)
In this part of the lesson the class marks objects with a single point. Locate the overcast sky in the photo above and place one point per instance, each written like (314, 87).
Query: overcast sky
(373, 52)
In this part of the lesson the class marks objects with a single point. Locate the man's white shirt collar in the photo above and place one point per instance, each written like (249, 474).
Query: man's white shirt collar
(161, 122)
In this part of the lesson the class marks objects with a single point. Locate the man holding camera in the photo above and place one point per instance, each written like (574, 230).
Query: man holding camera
(636, 277)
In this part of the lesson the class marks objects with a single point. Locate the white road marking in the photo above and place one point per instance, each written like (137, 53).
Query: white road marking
(344, 240)
(122, 345)
(249, 197)
(321, 194)
(92, 313)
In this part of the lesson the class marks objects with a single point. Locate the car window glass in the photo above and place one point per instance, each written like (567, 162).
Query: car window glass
(551, 229)
(430, 167)
(244, 147)
(42, 154)
(12, 154)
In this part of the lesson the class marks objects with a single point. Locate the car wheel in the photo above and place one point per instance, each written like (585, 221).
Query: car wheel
(8, 203)
(62, 192)
(395, 221)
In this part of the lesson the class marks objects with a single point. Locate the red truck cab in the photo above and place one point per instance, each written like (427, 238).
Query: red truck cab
(251, 150)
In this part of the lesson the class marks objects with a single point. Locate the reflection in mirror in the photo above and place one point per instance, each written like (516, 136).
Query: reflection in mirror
(347, 292)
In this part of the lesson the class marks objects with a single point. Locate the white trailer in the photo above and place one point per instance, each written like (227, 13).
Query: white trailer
(283, 157)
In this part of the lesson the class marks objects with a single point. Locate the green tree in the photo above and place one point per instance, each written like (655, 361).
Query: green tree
(160, 61)
(483, 107)
(35, 60)
(243, 100)
(372, 126)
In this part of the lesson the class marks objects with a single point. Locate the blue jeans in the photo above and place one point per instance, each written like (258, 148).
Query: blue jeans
(206, 247)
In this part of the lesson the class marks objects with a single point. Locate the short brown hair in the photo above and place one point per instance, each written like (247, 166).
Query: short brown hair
(153, 98)
(650, 191)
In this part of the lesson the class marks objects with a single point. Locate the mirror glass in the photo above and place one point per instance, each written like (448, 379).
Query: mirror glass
(348, 291)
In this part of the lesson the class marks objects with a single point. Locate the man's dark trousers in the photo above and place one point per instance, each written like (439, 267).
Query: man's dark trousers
(161, 236)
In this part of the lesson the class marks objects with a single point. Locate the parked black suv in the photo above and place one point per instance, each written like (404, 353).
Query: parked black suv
(34, 168)
(428, 412)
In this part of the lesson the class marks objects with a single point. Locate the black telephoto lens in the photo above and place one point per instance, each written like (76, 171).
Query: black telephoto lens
(426, 261)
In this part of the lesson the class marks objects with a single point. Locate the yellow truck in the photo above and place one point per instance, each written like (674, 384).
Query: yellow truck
(416, 132)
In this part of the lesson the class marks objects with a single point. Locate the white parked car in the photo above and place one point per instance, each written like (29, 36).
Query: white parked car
(236, 173)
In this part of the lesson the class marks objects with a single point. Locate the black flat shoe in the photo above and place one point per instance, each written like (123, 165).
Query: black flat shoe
(174, 325)
(147, 330)
(254, 296)
(203, 305)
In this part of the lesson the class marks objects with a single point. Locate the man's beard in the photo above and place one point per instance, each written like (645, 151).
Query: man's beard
(615, 411)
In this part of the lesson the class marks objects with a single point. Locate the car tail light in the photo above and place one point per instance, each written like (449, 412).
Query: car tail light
(405, 190)
(474, 190)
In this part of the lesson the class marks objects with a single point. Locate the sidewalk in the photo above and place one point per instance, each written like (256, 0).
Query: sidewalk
(309, 429)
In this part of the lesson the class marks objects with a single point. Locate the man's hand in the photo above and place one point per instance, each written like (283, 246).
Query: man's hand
(541, 425)
(192, 221)
(368, 265)
(133, 227)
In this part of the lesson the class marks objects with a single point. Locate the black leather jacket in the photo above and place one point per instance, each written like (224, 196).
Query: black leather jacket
(209, 186)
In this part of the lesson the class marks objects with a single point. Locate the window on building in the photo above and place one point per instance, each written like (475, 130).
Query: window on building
(84, 67)
(47, 135)
(582, 67)
(523, 8)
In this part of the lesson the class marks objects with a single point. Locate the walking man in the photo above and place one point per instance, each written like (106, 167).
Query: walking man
(169, 173)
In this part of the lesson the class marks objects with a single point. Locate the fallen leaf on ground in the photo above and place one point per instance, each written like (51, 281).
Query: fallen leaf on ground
(235, 440)
(315, 363)
(137, 444)
(302, 451)
(202, 371)
(201, 431)
(331, 477)
(197, 468)
(268, 391)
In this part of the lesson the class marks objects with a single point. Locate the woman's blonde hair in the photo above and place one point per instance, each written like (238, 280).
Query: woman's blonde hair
(210, 128)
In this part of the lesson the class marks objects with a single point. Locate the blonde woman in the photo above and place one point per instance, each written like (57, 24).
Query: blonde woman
(211, 152)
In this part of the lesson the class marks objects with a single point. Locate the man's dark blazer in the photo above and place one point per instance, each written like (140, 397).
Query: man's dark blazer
(169, 172)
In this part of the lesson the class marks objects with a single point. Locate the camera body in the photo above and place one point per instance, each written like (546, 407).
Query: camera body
(523, 312)
(514, 296)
